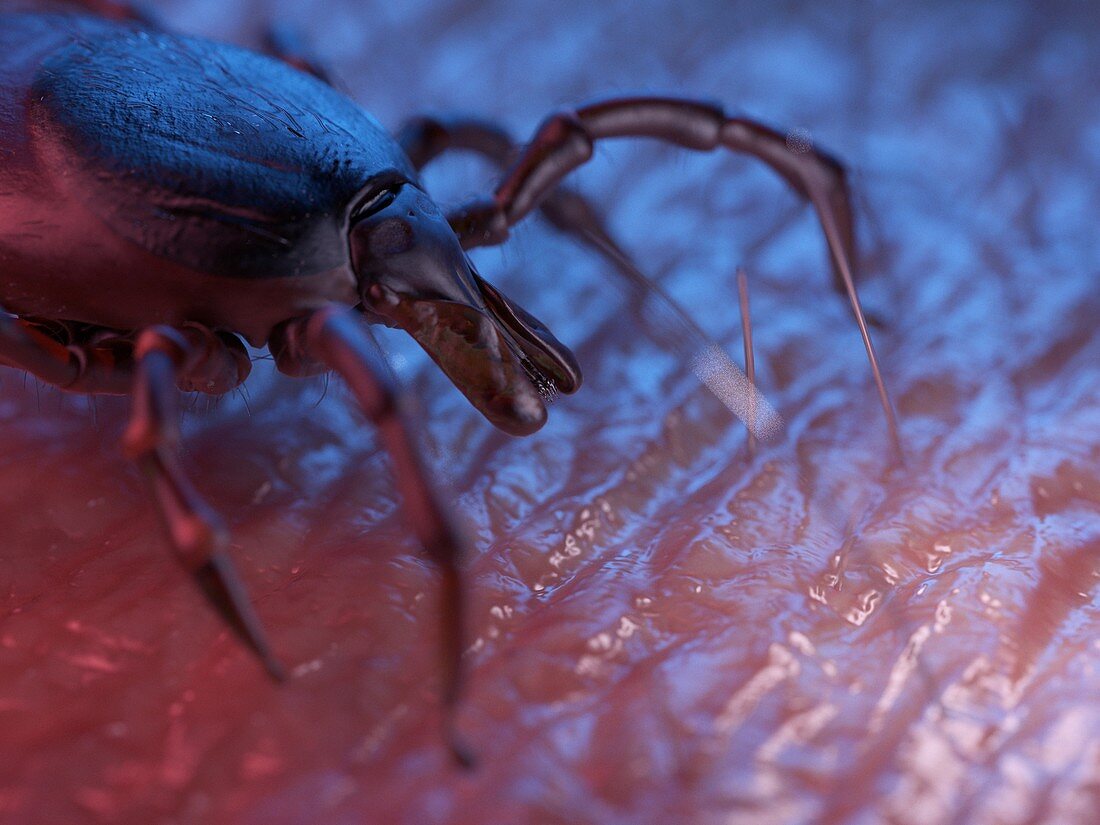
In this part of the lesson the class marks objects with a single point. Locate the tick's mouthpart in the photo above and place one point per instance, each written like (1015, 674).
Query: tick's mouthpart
(550, 365)
(502, 359)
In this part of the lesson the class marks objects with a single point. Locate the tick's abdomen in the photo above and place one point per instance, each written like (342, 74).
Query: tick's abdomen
(150, 178)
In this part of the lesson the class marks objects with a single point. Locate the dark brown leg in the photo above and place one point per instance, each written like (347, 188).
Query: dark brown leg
(750, 361)
(78, 367)
(279, 41)
(25, 348)
(100, 362)
(565, 142)
(197, 534)
(426, 138)
(217, 362)
(286, 44)
(336, 337)
(115, 10)
(191, 358)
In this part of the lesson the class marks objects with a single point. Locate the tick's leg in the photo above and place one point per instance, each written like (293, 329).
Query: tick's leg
(114, 10)
(426, 138)
(197, 534)
(336, 338)
(217, 363)
(192, 358)
(100, 362)
(285, 43)
(87, 367)
(279, 41)
(565, 141)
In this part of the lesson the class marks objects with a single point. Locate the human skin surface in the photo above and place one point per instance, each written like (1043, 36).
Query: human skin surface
(663, 627)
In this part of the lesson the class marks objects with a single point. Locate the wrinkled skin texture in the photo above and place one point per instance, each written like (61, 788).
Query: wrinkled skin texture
(662, 626)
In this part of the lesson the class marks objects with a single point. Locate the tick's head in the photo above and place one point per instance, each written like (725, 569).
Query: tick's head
(414, 275)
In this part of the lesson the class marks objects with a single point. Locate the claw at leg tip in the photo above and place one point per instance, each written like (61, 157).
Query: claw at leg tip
(275, 669)
(461, 753)
(223, 588)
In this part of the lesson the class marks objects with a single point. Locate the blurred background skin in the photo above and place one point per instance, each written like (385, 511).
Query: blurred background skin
(663, 629)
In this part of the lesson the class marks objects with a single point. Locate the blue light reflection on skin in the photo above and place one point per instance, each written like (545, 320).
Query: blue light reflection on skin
(979, 237)
(972, 142)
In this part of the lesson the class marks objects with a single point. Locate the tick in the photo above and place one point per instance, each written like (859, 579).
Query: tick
(165, 199)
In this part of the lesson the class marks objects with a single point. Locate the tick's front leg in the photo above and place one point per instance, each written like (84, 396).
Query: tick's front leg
(426, 138)
(566, 141)
(336, 338)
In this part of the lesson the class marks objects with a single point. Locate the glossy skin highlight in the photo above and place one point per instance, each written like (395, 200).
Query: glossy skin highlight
(217, 245)
(939, 667)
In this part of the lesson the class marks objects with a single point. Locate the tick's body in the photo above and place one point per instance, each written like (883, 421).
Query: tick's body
(162, 195)
(147, 178)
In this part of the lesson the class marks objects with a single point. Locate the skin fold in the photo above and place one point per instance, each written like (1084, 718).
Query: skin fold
(663, 627)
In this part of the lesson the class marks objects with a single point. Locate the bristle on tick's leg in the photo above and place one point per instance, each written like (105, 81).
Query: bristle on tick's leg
(750, 363)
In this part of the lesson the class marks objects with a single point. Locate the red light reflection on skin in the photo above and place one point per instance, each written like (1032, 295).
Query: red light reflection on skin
(664, 629)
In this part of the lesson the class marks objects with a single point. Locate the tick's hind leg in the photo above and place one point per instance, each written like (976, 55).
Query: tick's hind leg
(197, 534)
